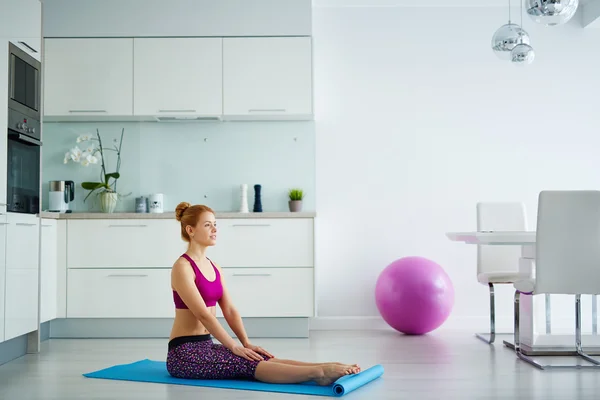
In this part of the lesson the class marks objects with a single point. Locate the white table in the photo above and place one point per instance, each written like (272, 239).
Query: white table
(533, 341)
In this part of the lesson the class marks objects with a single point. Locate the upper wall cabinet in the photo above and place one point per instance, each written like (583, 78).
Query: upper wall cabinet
(141, 79)
(267, 77)
(178, 77)
(88, 78)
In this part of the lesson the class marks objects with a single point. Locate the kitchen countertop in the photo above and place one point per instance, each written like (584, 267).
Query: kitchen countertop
(171, 215)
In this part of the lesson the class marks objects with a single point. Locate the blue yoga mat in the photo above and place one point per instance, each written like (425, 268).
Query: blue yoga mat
(156, 372)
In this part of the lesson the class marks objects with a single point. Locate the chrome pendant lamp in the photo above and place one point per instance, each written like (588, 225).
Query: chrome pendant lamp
(507, 37)
(551, 12)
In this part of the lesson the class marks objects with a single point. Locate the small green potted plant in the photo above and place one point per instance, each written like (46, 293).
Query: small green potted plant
(295, 202)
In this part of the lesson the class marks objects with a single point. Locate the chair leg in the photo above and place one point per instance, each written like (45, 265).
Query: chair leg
(548, 315)
(492, 318)
(594, 315)
(578, 346)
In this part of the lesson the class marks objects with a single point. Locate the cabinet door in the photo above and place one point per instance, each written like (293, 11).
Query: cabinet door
(48, 271)
(3, 224)
(3, 121)
(267, 78)
(178, 77)
(22, 253)
(88, 78)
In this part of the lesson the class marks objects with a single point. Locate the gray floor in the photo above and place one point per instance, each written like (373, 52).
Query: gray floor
(448, 366)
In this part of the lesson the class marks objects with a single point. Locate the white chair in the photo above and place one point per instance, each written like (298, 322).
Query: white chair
(500, 264)
(567, 257)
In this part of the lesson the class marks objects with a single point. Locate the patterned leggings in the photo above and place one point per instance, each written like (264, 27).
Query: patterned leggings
(197, 357)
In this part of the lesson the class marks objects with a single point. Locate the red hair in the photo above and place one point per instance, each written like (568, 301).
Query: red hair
(188, 214)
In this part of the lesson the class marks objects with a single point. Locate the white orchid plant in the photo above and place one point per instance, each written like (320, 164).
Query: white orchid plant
(93, 153)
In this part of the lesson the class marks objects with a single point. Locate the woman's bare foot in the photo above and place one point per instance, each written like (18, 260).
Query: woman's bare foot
(333, 372)
(355, 367)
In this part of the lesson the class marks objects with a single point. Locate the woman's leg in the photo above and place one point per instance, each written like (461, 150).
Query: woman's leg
(274, 372)
(355, 367)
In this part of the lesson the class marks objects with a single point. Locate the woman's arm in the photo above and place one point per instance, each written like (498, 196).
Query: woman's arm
(232, 316)
(182, 280)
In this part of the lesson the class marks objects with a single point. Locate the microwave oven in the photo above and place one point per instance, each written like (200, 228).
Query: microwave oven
(24, 83)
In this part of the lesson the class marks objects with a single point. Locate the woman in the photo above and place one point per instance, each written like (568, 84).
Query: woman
(198, 286)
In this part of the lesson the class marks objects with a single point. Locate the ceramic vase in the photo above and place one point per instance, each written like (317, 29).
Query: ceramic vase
(243, 198)
(108, 201)
(295, 205)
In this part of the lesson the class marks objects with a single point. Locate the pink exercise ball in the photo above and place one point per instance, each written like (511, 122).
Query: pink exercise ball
(414, 295)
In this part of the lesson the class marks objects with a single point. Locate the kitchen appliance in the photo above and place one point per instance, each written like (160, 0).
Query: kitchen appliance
(61, 193)
(24, 82)
(24, 137)
(156, 203)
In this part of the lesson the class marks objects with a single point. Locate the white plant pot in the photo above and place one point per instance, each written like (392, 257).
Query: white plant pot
(108, 201)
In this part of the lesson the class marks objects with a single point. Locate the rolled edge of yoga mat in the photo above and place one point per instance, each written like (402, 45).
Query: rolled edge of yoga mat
(348, 383)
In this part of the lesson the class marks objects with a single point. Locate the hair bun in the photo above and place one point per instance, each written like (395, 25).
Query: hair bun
(181, 207)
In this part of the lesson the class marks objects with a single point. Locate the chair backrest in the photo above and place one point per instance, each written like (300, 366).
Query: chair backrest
(499, 216)
(568, 242)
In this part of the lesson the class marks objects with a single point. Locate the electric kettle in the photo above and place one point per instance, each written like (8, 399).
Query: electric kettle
(61, 194)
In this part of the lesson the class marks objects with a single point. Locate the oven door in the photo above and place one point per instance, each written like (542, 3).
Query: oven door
(23, 178)
(24, 83)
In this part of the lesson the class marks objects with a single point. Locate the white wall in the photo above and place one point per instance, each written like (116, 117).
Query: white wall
(417, 121)
(114, 18)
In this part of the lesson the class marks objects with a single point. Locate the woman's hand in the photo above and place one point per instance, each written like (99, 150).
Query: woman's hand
(248, 354)
(259, 350)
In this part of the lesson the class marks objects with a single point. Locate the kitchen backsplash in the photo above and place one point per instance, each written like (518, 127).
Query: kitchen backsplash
(202, 162)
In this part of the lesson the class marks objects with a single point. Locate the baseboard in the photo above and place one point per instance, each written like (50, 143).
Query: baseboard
(100, 328)
(371, 323)
(13, 349)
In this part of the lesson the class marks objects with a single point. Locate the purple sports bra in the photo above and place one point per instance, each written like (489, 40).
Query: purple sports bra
(211, 291)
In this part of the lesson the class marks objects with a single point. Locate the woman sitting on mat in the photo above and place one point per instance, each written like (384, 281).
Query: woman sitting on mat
(198, 285)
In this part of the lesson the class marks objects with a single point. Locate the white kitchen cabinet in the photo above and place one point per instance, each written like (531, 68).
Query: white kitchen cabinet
(135, 243)
(270, 292)
(264, 242)
(22, 273)
(119, 293)
(179, 77)
(21, 18)
(3, 225)
(267, 78)
(48, 270)
(3, 121)
(88, 78)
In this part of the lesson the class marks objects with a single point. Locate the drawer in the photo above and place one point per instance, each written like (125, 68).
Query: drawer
(271, 292)
(259, 242)
(123, 243)
(119, 293)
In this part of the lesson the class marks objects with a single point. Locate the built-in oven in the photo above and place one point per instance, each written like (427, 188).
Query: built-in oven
(24, 133)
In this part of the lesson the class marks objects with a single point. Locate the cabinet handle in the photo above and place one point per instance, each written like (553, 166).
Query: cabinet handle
(29, 47)
(87, 111)
(46, 225)
(127, 226)
(3, 223)
(267, 110)
(24, 224)
(127, 276)
(252, 274)
(251, 225)
(166, 111)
